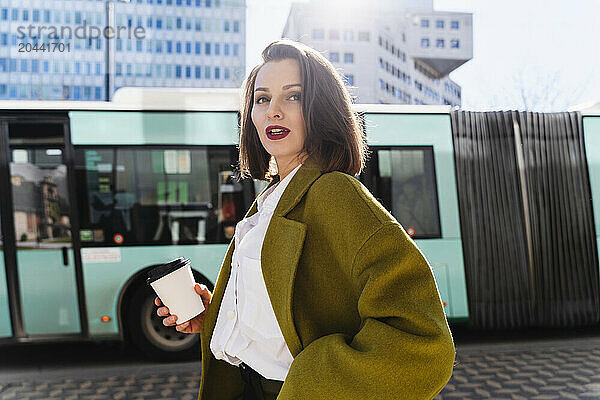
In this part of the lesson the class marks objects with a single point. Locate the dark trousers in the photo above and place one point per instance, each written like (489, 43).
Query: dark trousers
(257, 387)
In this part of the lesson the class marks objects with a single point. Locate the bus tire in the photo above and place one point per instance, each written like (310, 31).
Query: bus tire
(148, 334)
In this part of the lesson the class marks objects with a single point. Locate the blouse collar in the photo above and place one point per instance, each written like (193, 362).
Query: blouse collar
(269, 199)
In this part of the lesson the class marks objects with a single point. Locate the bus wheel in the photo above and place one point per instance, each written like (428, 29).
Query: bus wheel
(148, 333)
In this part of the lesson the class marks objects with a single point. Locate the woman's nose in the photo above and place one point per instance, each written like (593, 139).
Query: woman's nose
(274, 110)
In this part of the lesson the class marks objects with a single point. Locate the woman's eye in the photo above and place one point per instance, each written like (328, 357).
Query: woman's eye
(295, 96)
(258, 101)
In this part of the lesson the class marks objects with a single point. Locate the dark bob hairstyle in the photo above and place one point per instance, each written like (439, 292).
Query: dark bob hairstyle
(334, 135)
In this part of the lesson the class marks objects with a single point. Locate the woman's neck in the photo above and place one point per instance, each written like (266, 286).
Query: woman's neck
(284, 167)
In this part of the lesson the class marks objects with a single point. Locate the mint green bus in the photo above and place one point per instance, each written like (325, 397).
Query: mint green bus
(94, 194)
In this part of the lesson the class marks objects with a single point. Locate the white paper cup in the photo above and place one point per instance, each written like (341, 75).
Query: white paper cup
(174, 285)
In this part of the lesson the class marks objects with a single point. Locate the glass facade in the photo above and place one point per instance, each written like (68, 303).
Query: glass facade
(59, 52)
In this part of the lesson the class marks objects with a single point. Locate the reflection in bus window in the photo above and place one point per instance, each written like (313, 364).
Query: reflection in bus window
(40, 198)
(405, 184)
(158, 196)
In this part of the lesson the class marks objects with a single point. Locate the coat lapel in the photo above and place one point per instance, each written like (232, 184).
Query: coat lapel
(280, 253)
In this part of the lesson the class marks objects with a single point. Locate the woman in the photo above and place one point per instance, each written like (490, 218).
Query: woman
(321, 294)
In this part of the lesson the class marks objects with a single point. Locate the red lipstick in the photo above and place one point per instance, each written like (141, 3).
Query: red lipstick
(276, 132)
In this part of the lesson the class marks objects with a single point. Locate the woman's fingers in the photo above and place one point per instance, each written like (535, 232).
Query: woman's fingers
(200, 289)
(183, 327)
(203, 291)
(170, 321)
(157, 302)
(162, 312)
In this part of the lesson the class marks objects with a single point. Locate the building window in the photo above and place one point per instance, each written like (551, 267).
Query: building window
(424, 23)
(334, 56)
(454, 43)
(454, 24)
(318, 34)
(217, 73)
(334, 34)
(439, 24)
(158, 23)
(188, 71)
(207, 49)
(206, 72)
(348, 36)
(236, 26)
(439, 43)
(226, 49)
(364, 36)
(424, 42)
(169, 46)
(198, 47)
(178, 47)
(188, 47)
(217, 49)
(178, 71)
(226, 26)
(349, 58)
(198, 72)
(4, 14)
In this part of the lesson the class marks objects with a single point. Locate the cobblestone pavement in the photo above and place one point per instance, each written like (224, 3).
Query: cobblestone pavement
(540, 369)
(175, 386)
(563, 369)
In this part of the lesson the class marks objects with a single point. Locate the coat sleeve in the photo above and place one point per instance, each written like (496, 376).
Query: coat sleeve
(404, 348)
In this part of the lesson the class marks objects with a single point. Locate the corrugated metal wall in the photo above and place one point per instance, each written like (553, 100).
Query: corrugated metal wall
(526, 218)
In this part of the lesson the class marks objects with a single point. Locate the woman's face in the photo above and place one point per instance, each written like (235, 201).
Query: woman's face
(277, 110)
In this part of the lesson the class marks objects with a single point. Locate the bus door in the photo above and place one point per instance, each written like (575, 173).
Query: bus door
(38, 234)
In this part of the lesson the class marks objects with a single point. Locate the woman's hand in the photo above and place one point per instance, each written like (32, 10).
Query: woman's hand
(194, 324)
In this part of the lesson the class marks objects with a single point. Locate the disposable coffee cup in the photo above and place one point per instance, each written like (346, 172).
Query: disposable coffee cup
(174, 283)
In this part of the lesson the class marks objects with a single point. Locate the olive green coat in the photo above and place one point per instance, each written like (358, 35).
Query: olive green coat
(355, 299)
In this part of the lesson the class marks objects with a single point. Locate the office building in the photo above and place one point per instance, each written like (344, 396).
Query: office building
(156, 43)
(390, 51)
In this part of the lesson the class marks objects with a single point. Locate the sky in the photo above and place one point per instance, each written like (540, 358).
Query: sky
(544, 51)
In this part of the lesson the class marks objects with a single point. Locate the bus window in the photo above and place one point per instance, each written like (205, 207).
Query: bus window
(39, 189)
(156, 196)
(403, 180)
